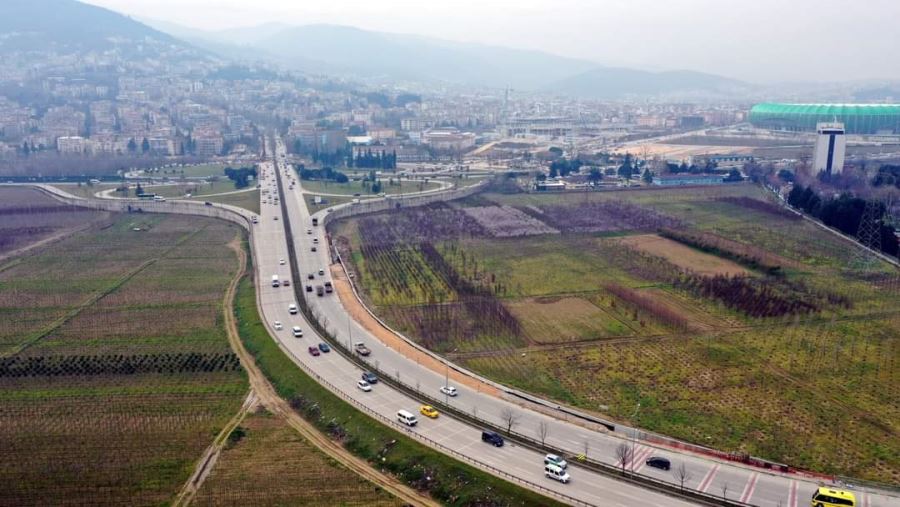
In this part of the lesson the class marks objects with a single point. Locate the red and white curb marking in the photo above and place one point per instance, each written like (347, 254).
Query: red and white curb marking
(749, 488)
(792, 496)
(707, 481)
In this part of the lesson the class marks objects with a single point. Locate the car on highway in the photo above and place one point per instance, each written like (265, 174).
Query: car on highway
(361, 349)
(292, 309)
(316, 241)
(492, 438)
(407, 418)
(557, 473)
(276, 218)
(363, 385)
(829, 497)
(658, 462)
(298, 333)
(314, 351)
(369, 377)
(313, 248)
(553, 459)
(309, 231)
(321, 271)
(281, 262)
(449, 390)
(277, 325)
(428, 411)
(311, 276)
(324, 347)
(287, 283)
(309, 288)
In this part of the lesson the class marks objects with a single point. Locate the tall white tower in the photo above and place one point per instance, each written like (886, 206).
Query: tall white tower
(831, 145)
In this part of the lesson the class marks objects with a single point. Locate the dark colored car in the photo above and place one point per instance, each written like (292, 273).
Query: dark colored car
(370, 377)
(324, 347)
(492, 438)
(314, 350)
(660, 463)
(311, 276)
(287, 283)
(207, 203)
(309, 288)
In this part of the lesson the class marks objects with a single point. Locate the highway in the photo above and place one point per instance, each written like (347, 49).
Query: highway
(455, 437)
(753, 486)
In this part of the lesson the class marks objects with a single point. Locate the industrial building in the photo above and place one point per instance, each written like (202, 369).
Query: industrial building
(858, 119)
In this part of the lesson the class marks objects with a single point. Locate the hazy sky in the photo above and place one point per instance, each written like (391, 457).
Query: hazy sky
(756, 40)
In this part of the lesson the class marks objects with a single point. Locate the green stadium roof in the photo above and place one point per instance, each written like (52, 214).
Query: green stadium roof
(857, 118)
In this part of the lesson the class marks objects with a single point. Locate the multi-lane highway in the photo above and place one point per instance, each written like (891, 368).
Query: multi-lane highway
(754, 486)
(456, 437)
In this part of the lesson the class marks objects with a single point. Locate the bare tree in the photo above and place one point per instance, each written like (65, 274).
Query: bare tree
(682, 475)
(510, 418)
(543, 431)
(623, 453)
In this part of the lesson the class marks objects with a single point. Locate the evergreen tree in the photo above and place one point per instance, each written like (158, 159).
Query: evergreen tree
(145, 146)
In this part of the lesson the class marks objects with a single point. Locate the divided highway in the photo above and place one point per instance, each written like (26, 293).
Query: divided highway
(453, 436)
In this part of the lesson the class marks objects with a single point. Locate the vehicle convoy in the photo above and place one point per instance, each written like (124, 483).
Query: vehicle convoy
(275, 282)
(828, 497)
(361, 349)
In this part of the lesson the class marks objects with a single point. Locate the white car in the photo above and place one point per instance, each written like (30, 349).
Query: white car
(292, 309)
(449, 390)
(322, 272)
(298, 333)
(363, 385)
(281, 262)
(278, 326)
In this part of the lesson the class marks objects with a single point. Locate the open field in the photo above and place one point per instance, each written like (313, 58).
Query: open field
(356, 187)
(177, 190)
(247, 200)
(115, 373)
(202, 170)
(272, 465)
(704, 326)
(85, 190)
(28, 217)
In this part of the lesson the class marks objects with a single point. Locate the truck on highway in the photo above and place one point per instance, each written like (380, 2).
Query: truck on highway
(275, 282)
(328, 287)
(361, 349)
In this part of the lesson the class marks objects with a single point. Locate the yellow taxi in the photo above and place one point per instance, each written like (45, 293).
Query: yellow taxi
(428, 411)
(829, 497)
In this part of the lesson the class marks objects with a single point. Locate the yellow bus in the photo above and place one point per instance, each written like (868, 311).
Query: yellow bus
(827, 497)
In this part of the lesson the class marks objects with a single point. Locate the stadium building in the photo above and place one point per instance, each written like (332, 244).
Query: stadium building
(859, 119)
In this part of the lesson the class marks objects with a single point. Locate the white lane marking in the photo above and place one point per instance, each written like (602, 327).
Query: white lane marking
(792, 495)
(641, 459)
(707, 481)
(749, 488)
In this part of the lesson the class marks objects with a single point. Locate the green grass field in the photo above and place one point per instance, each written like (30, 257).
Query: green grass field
(247, 200)
(116, 372)
(356, 187)
(704, 371)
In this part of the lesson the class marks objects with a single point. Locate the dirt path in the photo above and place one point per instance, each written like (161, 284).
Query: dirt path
(269, 398)
(359, 313)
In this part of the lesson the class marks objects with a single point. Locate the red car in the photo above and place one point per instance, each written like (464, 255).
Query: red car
(314, 351)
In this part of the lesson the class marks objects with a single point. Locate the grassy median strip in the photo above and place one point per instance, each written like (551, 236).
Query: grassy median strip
(444, 478)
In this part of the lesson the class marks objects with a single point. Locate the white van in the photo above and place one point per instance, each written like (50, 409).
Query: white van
(555, 472)
(407, 418)
(292, 309)
(298, 333)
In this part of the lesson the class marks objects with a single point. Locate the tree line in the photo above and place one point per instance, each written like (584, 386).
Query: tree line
(373, 160)
(240, 177)
(844, 213)
(326, 173)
